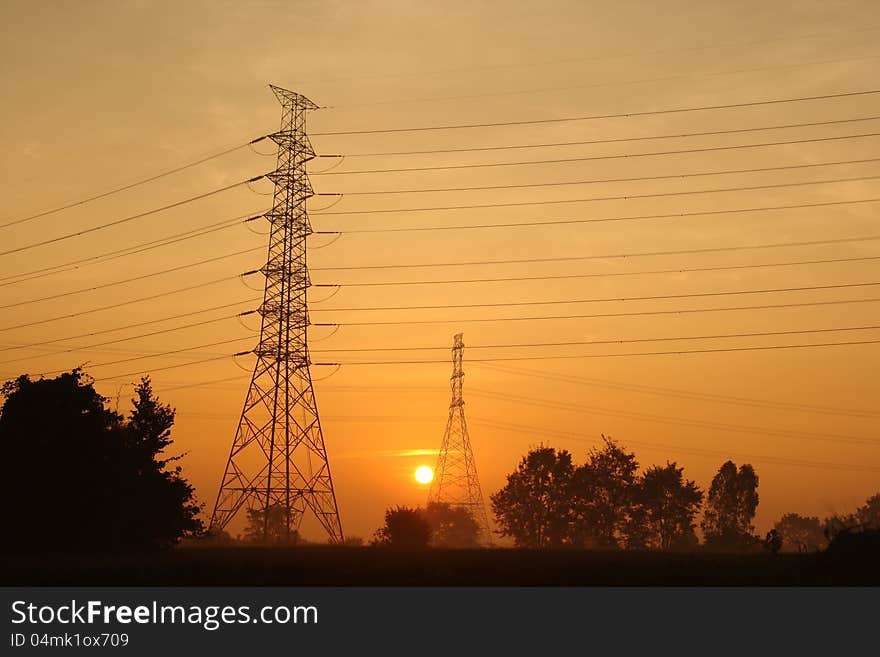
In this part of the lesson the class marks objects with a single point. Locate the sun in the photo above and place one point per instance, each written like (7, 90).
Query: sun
(424, 474)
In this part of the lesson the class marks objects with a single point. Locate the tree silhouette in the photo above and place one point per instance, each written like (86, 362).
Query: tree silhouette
(773, 542)
(404, 528)
(602, 495)
(534, 507)
(269, 527)
(730, 508)
(800, 534)
(84, 477)
(452, 526)
(664, 509)
(868, 515)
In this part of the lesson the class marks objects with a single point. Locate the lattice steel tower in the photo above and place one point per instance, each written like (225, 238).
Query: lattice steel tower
(278, 462)
(455, 477)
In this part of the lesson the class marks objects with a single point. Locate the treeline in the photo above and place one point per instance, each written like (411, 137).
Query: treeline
(78, 476)
(549, 501)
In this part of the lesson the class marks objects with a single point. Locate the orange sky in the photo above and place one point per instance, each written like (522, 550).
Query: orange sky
(97, 95)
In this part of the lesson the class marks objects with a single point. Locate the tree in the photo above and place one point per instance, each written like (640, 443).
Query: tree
(865, 518)
(602, 495)
(86, 478)
(730, 508)
(275, 531)
(533, 508)
(772, 542)
(163, 501)
(664, 509)
(404, 528)
(452, 526)
(838, 524)
(799, 533)
(868, 516)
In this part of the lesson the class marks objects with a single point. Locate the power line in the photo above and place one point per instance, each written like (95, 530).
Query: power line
(503, 359)
(120, 304)
(719, 249)
(638, 217)
(117, 222)
(679, 352)
(619, 140)
(607, 180)
(593, 158)
(573, 343)
(185, 326)
(677, 270)
(665, 419)
(137, 183)
(125, 339)
(614, 274)
(620, 197)
(211, 228)
(614, 385)
(536, 431)
(682, 394)
(166, 367)
(652, 297)
(132, 279)
(165, 353)
(642, 313)
(139, 324)
(598, 85)
(592, 117)
(134, 249)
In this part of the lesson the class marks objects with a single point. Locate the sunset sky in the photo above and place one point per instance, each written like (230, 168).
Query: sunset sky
(97, 95)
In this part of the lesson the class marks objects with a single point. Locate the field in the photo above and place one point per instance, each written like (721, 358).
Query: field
(345, 566)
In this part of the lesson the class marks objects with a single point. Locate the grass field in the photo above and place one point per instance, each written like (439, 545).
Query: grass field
(351, 566)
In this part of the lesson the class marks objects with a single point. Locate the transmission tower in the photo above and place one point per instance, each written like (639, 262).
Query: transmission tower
(278, 464)
(455, 478)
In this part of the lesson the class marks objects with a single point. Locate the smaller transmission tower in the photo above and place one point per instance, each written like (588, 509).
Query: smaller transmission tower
(455, 479)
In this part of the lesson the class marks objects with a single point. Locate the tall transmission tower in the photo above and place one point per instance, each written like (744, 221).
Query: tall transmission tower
(455, 479)
(278, 463)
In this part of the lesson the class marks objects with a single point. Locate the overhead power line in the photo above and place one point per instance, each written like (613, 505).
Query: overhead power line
(139, 324)
(594, 181)
(678, 352)
(120, 304)
(580, 343)
(593, 117)
(650, 297)
(618, 197)
(637, 217)
(617, 140)
(141, 247)
(642, 313)
(677, 270)
(125, 339)
(680, 393)
(164, 353)
(636, 254)
(132, 185)
(822, 465)
(614, 83)
(595, 158)
(665, 419)
(124, 220)
(503, 359)
(131, 279)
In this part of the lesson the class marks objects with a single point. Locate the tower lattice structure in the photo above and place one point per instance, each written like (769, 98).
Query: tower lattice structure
(278, 464)
(455, 477)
